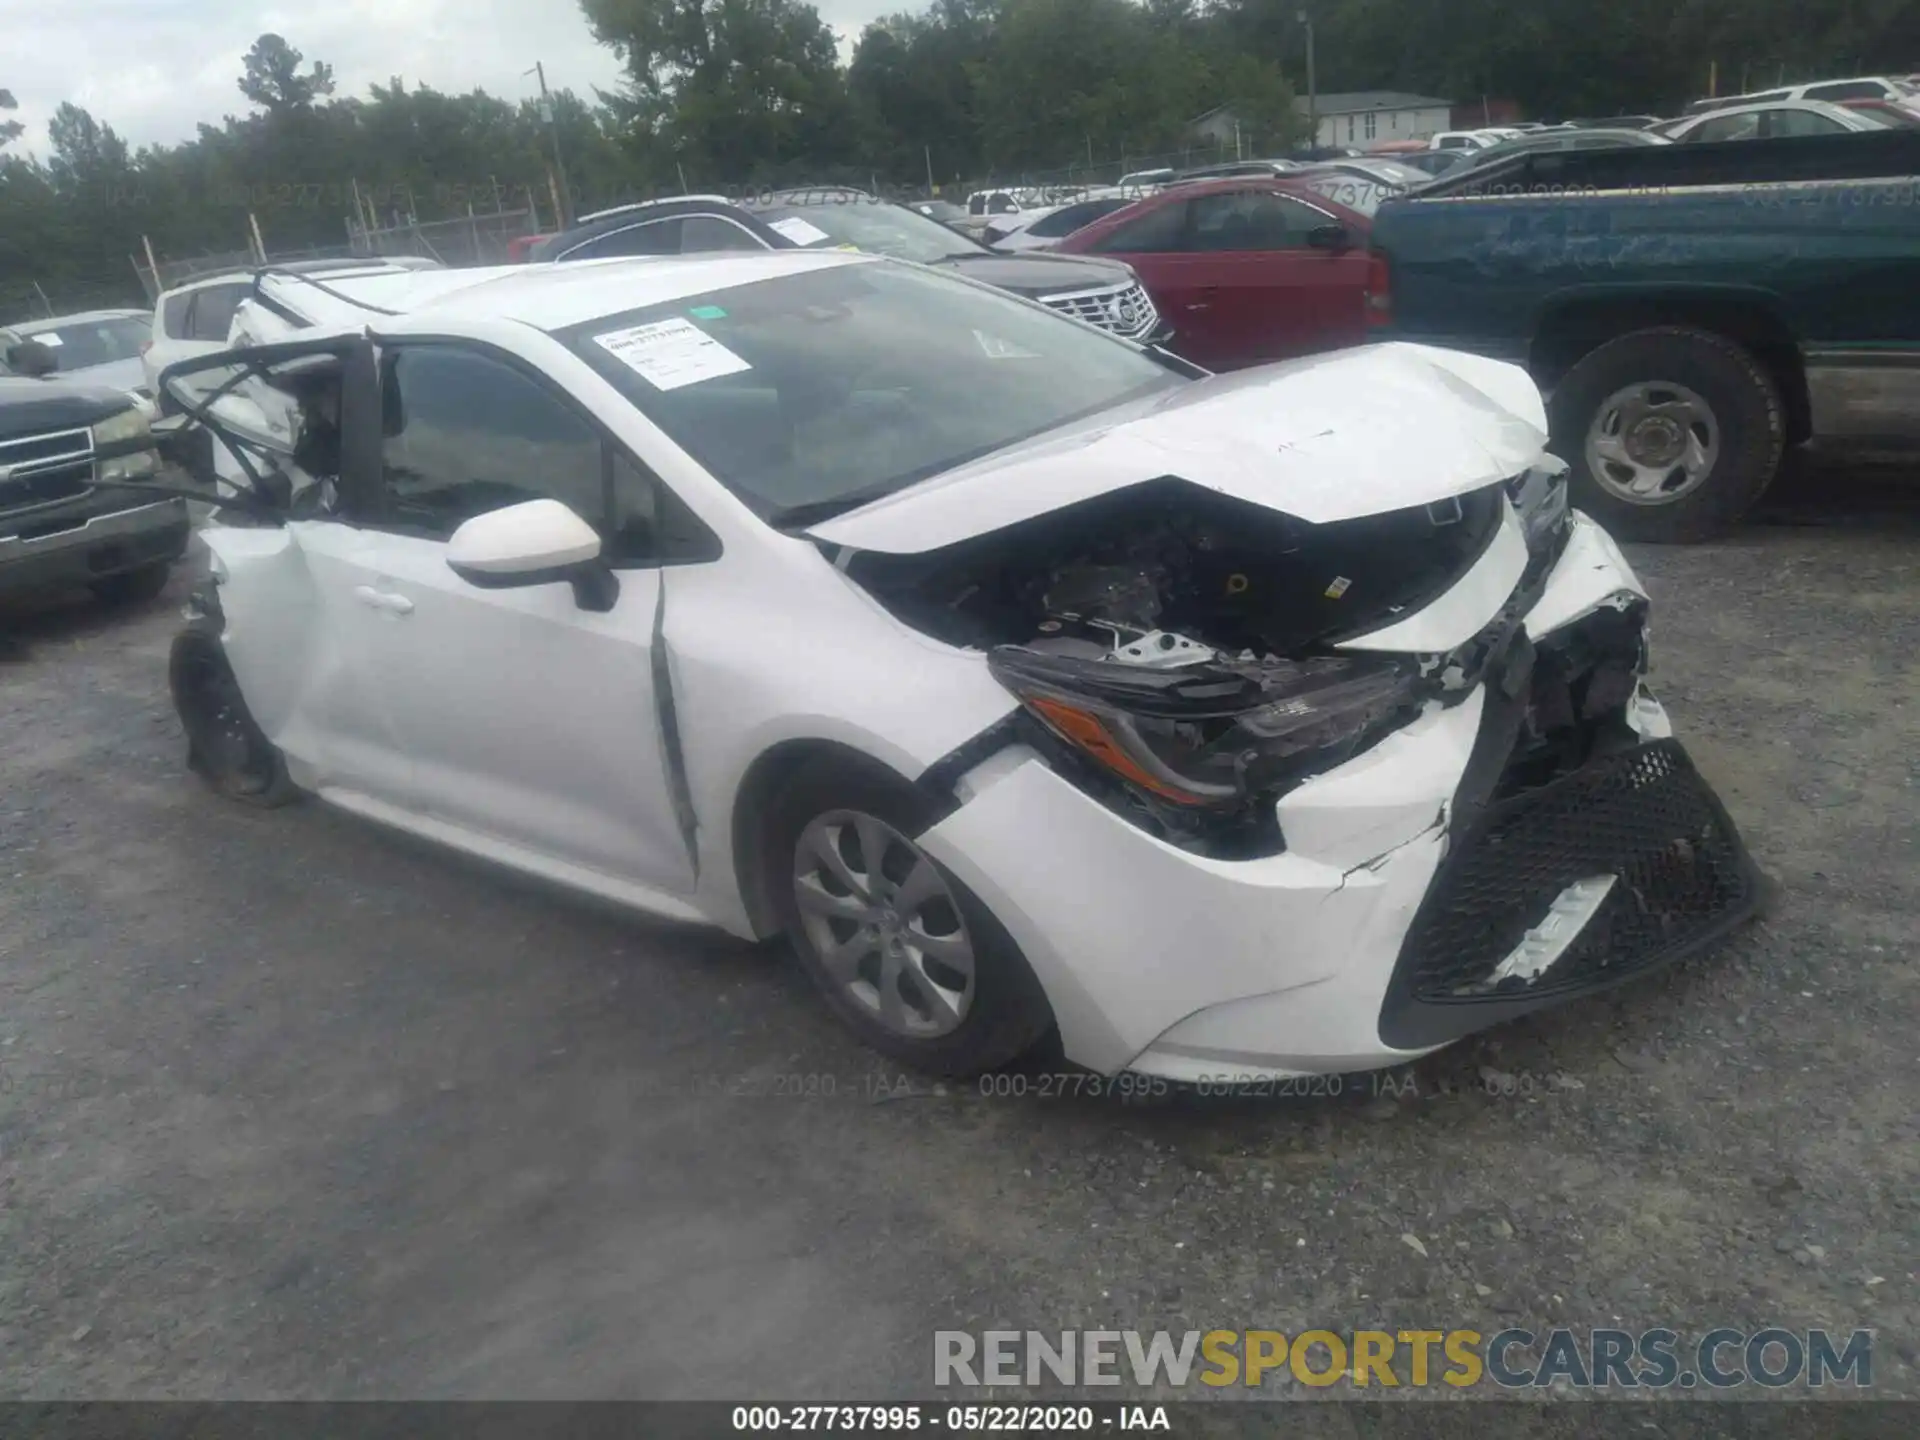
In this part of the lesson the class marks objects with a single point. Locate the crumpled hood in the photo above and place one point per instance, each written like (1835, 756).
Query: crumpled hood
(1330, 437)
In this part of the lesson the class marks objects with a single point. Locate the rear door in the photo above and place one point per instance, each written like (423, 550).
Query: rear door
(1154, 243)
(1275, 295)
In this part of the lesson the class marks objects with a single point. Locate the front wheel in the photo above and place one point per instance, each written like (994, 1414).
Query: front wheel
(224, 743)
(902, 951)
(1670, 434)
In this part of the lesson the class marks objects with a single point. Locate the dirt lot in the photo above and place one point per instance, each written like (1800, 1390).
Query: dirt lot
(292, 1107)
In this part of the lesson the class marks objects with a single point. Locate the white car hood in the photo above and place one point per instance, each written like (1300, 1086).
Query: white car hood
(1357, 432)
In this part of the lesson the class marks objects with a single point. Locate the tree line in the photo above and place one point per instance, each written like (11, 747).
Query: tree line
(719, 94)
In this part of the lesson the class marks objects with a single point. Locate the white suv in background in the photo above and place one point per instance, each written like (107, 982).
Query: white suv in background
(199, 318)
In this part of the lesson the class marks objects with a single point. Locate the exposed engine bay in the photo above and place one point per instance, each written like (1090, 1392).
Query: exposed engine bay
(1176, 649)
(1130, 575)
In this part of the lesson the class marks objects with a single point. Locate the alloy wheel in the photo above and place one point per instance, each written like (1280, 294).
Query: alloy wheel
(884, 924)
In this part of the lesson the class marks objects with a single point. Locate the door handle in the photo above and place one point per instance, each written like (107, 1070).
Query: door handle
(1207, 296)
(383, 600)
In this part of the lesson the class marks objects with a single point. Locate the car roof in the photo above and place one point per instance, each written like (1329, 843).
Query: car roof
(632, 205)
(1291, 186)
(83, 317)
(243, 274)
(554, 297)
(1817, 107)
(607, 222)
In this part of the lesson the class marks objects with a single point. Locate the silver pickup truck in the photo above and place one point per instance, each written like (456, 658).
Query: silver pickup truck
(61, 522)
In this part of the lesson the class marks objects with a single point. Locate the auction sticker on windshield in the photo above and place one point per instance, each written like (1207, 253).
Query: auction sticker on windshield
(668, 354)
(799, 230)
(50, 337)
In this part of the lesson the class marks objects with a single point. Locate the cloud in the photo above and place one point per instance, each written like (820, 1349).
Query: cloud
(155, 69)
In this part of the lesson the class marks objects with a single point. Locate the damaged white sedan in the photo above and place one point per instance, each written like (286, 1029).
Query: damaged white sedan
(1029, 681)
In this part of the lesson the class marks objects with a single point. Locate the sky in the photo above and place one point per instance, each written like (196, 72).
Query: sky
(153, 69)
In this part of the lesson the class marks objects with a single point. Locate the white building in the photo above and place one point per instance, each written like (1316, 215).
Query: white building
(1366, 117)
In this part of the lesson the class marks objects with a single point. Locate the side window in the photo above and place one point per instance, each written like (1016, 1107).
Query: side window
(1847, 90)
(465, 434)
(174, 313)
(710, 232)
(212, 313)
(1158, 231)
(1251, 220)
(1801, 122)
(1061, 222)
(655, 237)
(1726, 127)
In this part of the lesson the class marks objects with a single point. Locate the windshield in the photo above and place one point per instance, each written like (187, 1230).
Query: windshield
(861, 222)
(815, 392)
(79, 344)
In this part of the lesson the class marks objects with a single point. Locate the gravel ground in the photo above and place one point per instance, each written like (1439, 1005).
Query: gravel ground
(295, 1108)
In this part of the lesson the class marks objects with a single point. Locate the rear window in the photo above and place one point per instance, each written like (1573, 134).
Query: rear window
(853, 221)
(79, 344)
(212, 314)
(1847, 90)
(174, 311)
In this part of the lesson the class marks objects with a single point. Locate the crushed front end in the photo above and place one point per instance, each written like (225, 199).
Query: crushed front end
(1231, 850)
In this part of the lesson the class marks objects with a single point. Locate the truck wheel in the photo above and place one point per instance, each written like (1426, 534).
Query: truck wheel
(224, 743)
(1670, 434)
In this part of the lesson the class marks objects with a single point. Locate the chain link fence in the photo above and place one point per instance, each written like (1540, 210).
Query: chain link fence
(471, 240)
(1083, 175)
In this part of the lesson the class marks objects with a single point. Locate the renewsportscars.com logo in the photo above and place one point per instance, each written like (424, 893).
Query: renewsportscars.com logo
(1513, 1359)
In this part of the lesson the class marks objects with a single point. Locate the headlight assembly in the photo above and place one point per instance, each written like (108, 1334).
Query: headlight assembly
(1218, 735)
(123, 432)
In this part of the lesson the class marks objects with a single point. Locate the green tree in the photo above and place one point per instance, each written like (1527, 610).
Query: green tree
(9, 129)
(272, 78)
(734, 90)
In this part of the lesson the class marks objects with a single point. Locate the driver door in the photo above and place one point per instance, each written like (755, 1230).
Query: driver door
(287, 575)
(530, 723)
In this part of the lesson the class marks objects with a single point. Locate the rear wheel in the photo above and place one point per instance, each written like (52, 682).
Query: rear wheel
(1670, 434)
(903, 952)
(225, 746)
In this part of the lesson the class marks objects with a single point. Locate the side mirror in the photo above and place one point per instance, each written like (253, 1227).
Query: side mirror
(1328, 237)
(537, 542)
(32, 359)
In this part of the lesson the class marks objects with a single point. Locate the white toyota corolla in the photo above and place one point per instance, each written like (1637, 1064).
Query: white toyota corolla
(1231, 727)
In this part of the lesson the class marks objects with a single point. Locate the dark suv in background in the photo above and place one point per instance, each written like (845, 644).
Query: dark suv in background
(59, 525)
(1105, 293)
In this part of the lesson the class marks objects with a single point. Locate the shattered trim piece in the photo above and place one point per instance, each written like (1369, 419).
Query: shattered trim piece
(1546, 942)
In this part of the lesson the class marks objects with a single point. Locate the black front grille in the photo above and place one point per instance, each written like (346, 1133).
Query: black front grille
(38, 470)
(1642, 816)
(46, 487)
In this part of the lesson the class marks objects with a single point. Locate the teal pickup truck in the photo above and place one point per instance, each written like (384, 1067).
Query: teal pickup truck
(1689, 311)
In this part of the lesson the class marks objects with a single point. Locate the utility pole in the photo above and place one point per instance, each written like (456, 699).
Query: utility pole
(928, 151)
(565, 199)
(1313, 93)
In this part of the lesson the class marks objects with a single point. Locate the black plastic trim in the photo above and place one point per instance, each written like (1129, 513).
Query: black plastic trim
(1408, 1022)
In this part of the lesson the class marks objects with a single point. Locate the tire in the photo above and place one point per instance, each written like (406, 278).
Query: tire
(134, 587)
(225, 746)
(1744, 418)
(1002, 1010)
